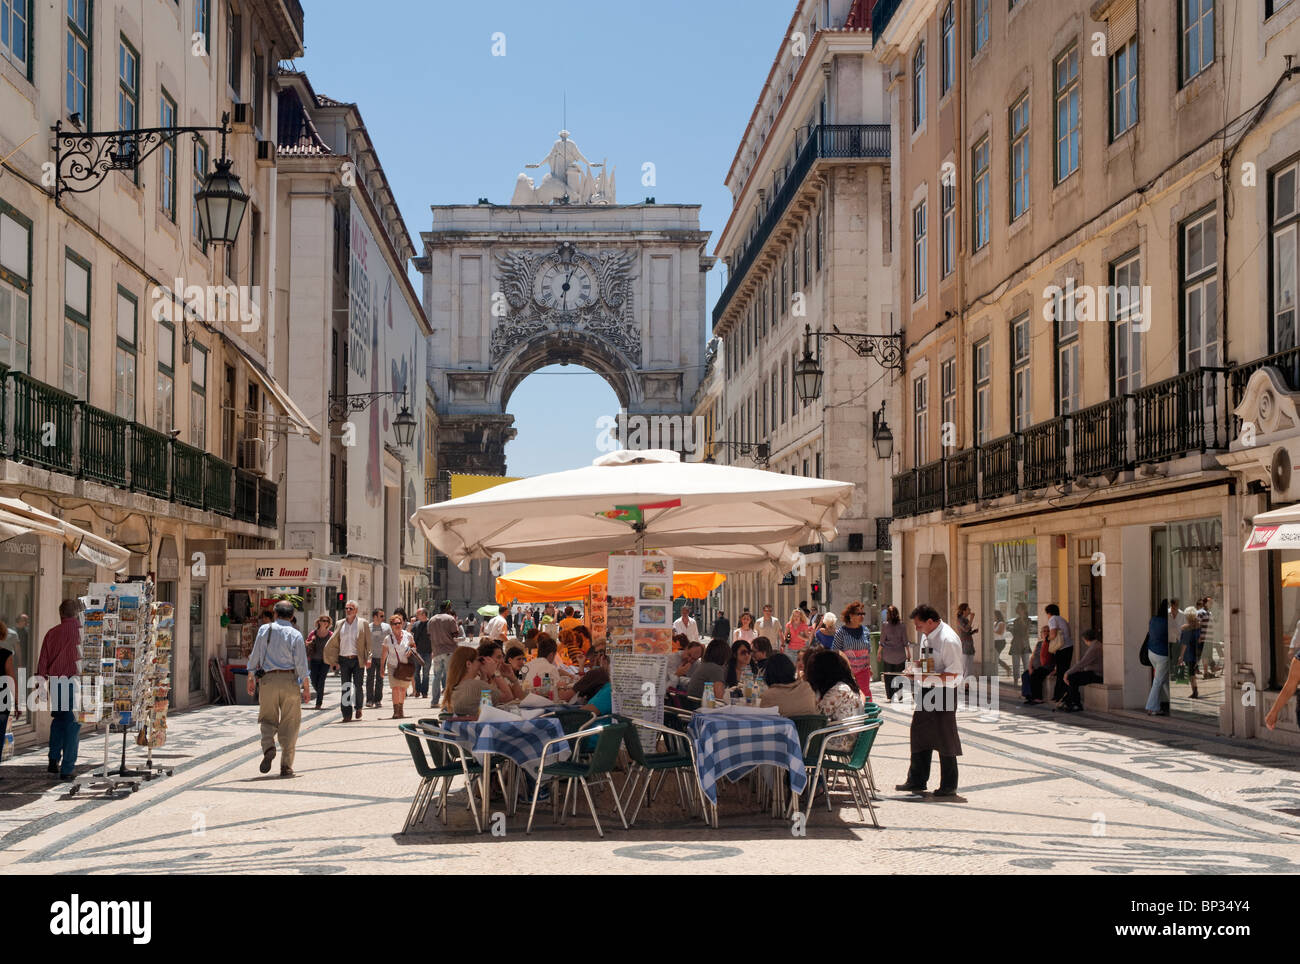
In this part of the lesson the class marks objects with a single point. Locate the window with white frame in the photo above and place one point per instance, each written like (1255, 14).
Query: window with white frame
(198, 396)
(983, 372)
(785, 382)
(1066, 324)
(165, 383)
(807, 257)
(980, 194)
(1021, 383)
(919, 253)
(1124, 88)
(979, 10)
(234, 48)
(76, 94)
(948, 399)
(821, 233)
(947, 48)
(1201, 291)
(794, 265)
(1197, 25)
(1127, 323)
(167, 158)
(76, 326)
(15, 288)
(1285, 226)
(1065, 73)
(124, 357)
(128, 86)
(918, 86)
(920, 420)
(16, 34)
(203, 22)
(200, 174)
(1020, 156)
(948, 227)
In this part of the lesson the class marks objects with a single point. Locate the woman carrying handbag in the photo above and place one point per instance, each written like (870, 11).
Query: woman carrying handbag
(400, 660)
(316, 664)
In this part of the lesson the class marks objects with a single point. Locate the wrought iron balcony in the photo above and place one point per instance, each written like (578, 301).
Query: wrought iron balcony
(929, 486)
(1100, 438)
(103, 446)
(962, 471)
(1043, 452)
(245, 496)
(999, 467)
(42, 423)
(840, 141)
(187, 474)
(905, 494)
(267, 497)
(1287, 362)
(1181, 415)
(217, 483)
(149, 462)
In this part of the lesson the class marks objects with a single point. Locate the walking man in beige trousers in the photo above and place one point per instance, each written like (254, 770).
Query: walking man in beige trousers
(279, 661)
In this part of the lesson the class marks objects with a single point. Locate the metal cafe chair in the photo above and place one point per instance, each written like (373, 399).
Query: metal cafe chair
(852, 764)
(679, 756)
(609, 741)
(449, 760)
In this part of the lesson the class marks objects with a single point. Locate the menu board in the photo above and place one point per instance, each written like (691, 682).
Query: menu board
(637, 684)
(653, 620)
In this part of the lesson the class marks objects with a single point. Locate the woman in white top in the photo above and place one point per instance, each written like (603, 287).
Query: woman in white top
(399, 649)
(745, 630)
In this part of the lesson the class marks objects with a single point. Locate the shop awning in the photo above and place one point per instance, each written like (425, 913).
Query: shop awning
(1278, 529)
(18, 518)
(273, 388)
(255, 568)
(534, 584)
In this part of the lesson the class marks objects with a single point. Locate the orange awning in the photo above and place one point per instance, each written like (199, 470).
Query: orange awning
(534, 584)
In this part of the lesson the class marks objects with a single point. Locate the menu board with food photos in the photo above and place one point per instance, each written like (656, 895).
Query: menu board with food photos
(126, 648)
(597, 610)
(639, 615)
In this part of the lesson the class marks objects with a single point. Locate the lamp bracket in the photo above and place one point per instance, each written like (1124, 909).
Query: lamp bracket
(341, 406)
(886, 349)
(84, 158)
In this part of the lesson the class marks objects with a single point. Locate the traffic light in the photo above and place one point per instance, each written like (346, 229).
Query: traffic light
(817, 589)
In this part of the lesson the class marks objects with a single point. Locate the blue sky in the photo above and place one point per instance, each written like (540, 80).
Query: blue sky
(668, 81)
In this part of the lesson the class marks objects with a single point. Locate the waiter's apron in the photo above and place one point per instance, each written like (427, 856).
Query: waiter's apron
(936, 729)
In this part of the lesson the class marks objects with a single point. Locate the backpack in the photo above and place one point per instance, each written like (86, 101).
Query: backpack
(1144, 654)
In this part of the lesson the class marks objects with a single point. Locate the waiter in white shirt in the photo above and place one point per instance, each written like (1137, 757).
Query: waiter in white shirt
(769, 626)
(934, 721)
(687, 626)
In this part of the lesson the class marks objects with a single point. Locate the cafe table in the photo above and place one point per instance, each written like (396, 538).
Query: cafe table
(519, 740)
(731, 741)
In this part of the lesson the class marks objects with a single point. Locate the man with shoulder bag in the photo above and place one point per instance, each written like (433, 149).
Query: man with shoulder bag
(349, 650)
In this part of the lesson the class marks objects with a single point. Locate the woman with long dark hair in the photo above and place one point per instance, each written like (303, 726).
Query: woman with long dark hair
(893, 651)
(745, 630)
(837, 692)
(316, 666)
(741, 654)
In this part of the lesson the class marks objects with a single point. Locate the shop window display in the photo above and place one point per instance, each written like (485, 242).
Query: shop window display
(1009, 620)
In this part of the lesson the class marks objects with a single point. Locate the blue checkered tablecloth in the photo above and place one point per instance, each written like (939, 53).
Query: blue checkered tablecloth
(521, 741)
(725, 743)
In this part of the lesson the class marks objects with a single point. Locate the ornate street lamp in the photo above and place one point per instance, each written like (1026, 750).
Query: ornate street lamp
(83, 160)
(404, 426)
(881, 437)
(886, 349)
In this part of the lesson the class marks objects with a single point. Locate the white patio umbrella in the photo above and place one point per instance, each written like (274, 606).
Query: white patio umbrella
(711, 517)
(17, 518)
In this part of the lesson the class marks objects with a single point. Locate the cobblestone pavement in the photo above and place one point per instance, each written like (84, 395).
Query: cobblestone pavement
(1041, 793)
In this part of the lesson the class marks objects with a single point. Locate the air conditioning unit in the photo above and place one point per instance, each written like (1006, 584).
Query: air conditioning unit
(266, 153)
(252, 455)
(241, 116)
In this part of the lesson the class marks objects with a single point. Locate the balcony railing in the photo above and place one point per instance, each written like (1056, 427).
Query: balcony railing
(825, 141)
(187, 474)
(53, 429)
(1101, 438)
(929, 486)
(103, 446)
(267, 495)
(962, 471)
(217, 485)
(245, 496)
(42, 423)
(905, 494)
(1043, 451)
(149, 461)
(998, 467)
(1180, 415)
(1286, 362)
